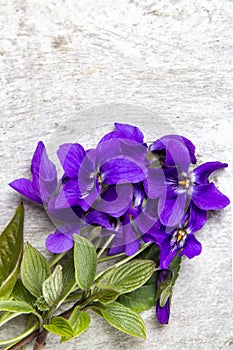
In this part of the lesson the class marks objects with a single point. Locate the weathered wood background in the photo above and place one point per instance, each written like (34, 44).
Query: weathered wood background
(172, 57)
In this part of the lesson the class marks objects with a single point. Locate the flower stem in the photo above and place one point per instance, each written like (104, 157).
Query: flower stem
(55, 259)
(109, 257)
(105, 245)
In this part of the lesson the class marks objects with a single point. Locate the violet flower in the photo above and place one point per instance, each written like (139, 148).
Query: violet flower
(44, 178)
(161, 147)
(88, 174)
(177, 186)
(180, 239)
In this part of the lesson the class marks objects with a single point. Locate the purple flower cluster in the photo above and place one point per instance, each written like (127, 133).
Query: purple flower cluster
(134, 191)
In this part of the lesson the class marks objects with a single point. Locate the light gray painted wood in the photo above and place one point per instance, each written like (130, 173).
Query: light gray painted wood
(59, 58)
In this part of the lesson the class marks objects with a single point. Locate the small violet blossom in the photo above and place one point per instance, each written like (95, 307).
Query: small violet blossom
(44, 178)
(179, 239)
(176, 186)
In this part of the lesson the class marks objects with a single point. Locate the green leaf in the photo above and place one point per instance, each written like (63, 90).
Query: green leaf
(52, 286)
(68, 280)
(130, 276)
(85, 262)
(16, 306)
(60, 326)
(166, 293)
(20, 293)
(11, 248)
(34, 270)
(123, 318)
(79, 321)
(107, 295)
(140, 299)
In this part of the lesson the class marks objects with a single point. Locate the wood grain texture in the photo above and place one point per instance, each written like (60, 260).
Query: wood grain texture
(172, 57)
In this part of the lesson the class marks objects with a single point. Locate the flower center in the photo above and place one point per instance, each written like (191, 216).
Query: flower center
(185, 183)
(178, 239)
(180, 235)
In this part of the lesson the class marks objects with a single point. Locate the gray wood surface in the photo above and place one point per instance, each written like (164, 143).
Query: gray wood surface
(163, 65)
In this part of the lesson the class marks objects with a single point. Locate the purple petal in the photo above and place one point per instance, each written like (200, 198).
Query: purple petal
(89, 200)
(70, 214)
(107, 150)
(41, 166)
(178, 154)
(58, 243)
(116, 248)
(192, 247)
(126, 241)
(157, 234)
(135, 152)
(130, 132)
(171, 211)
(163, 313)
(161, 144)
(132, 247)
(115, 200)
(202, 172)
(71, 156)
(46, 189)
(111, 135)
(130, 239)
(145, 222)
(122, 170)
(26, 188)
(44, 175)
(197, 218)
(96, 217)
(167, 252)
(208, 197)
(68, 195)
(155, 183)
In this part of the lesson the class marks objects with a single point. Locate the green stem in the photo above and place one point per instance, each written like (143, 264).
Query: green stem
(55, 259)
(105, 245)
(121, 262)
(109, 257)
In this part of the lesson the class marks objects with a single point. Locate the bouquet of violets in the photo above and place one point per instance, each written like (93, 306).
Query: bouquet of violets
(136, 205)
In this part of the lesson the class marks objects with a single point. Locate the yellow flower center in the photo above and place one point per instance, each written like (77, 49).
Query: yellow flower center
(185, 183)
(180, 235)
